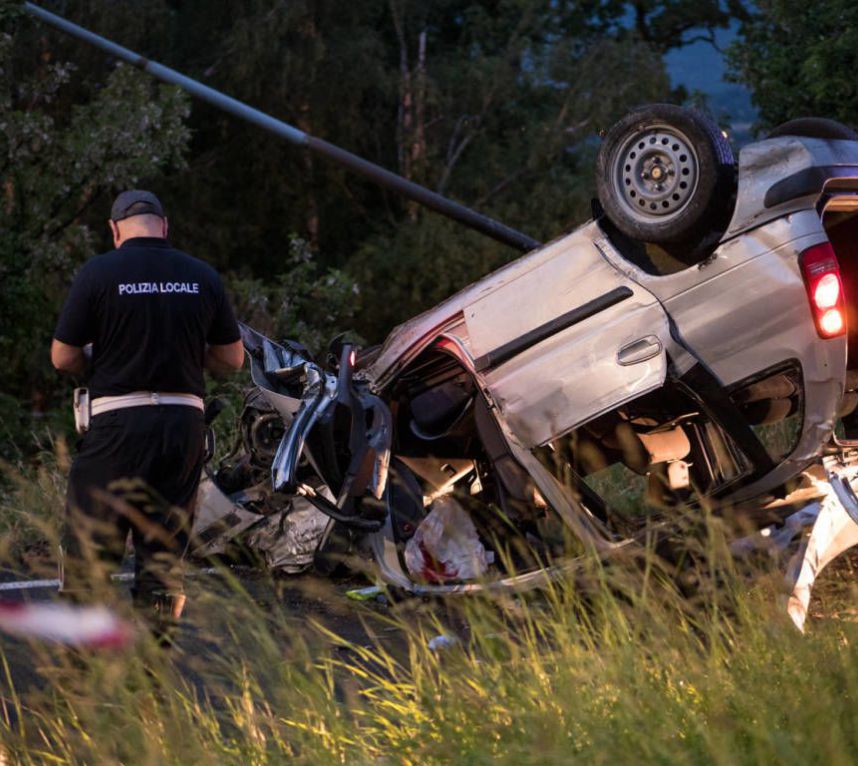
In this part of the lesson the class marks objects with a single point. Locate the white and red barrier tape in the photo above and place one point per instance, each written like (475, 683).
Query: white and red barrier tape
(83, 626)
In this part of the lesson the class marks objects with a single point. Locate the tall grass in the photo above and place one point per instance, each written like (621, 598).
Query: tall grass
(631, 662)
(637, 660)
(32, 498)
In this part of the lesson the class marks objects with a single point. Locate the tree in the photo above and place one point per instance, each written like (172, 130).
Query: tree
(495, 103)
(669, 24)
(797, 58)
(514, 95)
(302, 302)
(56, 163)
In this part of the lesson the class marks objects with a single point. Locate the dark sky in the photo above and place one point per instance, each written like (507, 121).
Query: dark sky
(701, 67)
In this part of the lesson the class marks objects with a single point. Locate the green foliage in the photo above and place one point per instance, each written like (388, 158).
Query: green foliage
(302, 301)
(56, 162)
(495, 104)
(32, 496)
(797, 58)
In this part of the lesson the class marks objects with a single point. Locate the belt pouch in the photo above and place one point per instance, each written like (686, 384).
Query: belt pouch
(82, 411)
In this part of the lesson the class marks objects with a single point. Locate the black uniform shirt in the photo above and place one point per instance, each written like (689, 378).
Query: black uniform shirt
(149, 311)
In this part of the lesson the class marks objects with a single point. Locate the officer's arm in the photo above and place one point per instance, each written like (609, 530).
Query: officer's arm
(68, 358)
(224, 359)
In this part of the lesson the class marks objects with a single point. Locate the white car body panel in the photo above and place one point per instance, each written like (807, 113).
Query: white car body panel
(751, 313)
(411, 337)
(545, 390)
(742, 311)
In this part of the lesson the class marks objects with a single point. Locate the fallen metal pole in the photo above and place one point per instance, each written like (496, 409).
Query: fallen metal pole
(376, 173)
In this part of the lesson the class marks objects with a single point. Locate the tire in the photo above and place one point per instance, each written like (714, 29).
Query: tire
(815, 127)
(666, 176)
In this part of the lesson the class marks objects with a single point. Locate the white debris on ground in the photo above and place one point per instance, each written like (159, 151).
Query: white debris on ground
(445, 546)
(833, 532)
(443, 641)
(776, 539)
(288, 539)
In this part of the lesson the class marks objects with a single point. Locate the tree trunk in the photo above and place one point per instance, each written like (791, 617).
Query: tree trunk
(411, 113)
(305, 123)
(311, 215)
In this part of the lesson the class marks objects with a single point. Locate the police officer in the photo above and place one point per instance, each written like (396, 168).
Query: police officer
(155, 317)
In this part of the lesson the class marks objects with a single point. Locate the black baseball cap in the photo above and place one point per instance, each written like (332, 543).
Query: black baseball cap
(135, 202)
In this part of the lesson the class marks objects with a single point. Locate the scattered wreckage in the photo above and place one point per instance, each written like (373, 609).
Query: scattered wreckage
(688, 344)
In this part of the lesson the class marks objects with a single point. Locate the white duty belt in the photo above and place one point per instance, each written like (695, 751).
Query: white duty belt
(144, 399)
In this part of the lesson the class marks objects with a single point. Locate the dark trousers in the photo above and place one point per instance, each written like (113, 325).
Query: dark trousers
(137, 470)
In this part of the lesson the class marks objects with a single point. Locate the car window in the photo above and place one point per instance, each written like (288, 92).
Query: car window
(664, 450)
(622, 490)
(780, 438)
(773, 404)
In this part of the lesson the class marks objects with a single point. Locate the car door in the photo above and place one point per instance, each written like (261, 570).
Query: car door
(567, 340)
(746, 314)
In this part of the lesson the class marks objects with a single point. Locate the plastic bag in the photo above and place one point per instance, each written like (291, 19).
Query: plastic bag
(445, 545)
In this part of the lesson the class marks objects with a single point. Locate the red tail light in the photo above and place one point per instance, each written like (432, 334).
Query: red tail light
(824, 289)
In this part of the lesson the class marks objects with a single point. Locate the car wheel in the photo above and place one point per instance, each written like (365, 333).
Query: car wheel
(666, 175)
(815, 127)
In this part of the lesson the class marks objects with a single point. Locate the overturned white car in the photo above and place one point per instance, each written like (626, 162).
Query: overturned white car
(690, 342)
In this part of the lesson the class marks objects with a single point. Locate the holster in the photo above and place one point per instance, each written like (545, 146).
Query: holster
(82, 410)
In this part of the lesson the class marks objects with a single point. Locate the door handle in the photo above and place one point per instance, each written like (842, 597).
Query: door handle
(639, 351)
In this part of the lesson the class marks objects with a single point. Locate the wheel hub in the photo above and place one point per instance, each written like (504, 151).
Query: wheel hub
(656, 172)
